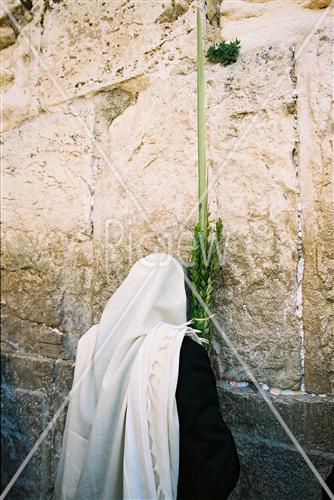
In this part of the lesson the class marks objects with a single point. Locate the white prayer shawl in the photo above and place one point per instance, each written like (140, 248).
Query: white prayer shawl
(121, 438)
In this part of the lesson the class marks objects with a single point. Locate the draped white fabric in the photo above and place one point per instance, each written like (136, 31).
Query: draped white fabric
(121, 438)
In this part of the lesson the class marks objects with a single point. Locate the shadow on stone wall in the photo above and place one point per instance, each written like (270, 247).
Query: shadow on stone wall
(32, 391)
(271, 466)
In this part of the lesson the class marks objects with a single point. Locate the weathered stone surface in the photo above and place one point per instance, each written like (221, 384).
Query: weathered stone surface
(16, 72)
(63, 372)
(7, 36)
(19, 9)
(24, 417)
(270, 23)
(315, 4)
(256, 33)
(27, 372)
(47, 249)
(310, 418)
(213, 11)
(11, 6)
(46, 341)
(255, 293)
(34, 393)
(61, 285)
(100, 168)
(269, 470)
(101, 47)
(112, 31)
(173, 11)
(150, 215)
(315, 124)
(58, 398)
(239, 9)
(271, 466)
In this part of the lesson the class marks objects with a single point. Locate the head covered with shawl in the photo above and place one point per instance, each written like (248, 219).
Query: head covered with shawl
(121, 437)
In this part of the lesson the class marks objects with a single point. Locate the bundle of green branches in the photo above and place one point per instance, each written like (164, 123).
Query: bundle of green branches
(224, 53)
(204, 256)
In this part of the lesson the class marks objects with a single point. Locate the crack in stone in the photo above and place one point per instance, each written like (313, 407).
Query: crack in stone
(33, 321)
(41, 21)
(299, 226)
(94, 170)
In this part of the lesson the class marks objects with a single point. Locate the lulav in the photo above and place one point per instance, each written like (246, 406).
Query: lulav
(203, 263)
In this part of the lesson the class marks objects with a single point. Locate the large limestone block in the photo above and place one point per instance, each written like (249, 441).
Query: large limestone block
(48, 188)
(310, 418)
(100, 43)
(74, 49)
(152, 147)
(251, 142)
(27, 372)
(139, 89)
(106, 43)
(79, 48)
(103, 43)
(268, 23)
(239, 9)
(271, 466)
(315, 124)
(272, 470)
(288, 24)
(260, 218)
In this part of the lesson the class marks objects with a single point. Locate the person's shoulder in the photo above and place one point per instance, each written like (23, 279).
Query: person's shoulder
(190, 347)
(194, 361)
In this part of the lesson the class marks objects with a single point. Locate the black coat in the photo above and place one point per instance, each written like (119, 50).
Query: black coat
(209, 463)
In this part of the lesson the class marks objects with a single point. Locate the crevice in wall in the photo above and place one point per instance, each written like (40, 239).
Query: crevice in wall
(94, 170)
(13, 18)
(212, 12)
(173, 11)
(299, 222)
(44, 8)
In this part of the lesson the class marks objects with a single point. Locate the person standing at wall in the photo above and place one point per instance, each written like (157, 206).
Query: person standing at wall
(143, 420)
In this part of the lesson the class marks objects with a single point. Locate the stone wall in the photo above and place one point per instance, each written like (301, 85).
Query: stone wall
(99, 167)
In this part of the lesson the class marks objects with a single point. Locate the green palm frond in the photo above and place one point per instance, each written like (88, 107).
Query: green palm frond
(204, 255)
